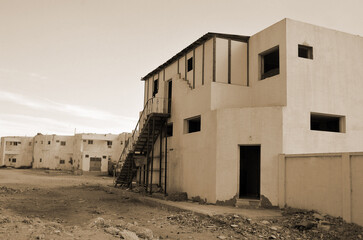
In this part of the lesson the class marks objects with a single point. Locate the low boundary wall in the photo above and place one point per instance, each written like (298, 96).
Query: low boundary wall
(331, 183)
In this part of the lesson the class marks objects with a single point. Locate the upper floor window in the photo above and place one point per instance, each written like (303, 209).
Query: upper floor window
(270, 63)
(62, 143)
(305, 51)
(190, 64)
(169, 130)
(155, 87)
(90, 141)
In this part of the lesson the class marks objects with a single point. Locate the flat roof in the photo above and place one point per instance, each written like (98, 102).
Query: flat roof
(200, 41)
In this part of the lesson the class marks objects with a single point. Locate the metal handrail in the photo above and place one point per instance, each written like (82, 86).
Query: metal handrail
(148, 108)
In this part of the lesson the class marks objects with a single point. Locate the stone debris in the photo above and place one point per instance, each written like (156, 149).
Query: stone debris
(128, 235)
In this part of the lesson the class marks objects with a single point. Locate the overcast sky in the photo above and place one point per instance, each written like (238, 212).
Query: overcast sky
(77, 64)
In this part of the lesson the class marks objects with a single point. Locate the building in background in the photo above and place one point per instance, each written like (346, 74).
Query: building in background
(86, 151)
(16, 152)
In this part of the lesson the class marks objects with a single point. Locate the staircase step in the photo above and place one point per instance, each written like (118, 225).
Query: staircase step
(248, 203)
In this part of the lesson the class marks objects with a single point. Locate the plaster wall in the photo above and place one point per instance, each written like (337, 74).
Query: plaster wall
(357, 190)
(330, 83)
(269, 91)
(247, 126)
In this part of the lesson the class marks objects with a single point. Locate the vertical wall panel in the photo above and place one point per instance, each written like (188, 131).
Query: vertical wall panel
(222, 60)
(208, 62)
(239, 63)
(198, 66)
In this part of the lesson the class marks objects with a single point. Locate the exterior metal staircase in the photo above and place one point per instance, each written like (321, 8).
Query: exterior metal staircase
(139, 148)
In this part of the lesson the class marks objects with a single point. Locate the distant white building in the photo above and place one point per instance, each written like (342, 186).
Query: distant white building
(16, 151)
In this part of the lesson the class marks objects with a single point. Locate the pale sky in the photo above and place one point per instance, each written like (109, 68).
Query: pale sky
(77, 64)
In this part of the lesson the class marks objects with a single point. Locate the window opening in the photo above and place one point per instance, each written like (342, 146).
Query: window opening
(155, 87)
(270, 63)
(61, 161)
(328, 123)
(305, 51)
(169, 130)
(190, 64)
(62, 143)
(90, 141)
(193, 124)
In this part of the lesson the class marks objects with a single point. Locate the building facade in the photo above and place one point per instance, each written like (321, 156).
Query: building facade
(230, 105)
(16, 152)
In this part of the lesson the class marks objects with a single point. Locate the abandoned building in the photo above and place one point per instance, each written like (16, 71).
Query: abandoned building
(87, 152)
(270, 119)
(16, 152)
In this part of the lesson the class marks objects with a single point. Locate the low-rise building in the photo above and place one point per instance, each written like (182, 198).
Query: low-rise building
(16, 151)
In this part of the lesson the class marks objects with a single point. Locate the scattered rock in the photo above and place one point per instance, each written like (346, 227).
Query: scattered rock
(304, 225)
(234, 226)
(128, 235)
(265, 222)
(222, 237)
(112, 230)
(272, 237)
(318, 216)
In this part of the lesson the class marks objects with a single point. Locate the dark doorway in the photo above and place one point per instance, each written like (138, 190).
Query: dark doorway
(95, 164)
(170, 88)
(249, 183)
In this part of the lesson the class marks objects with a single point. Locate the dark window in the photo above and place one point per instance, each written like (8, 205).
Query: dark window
(84, 140)
(48, 142)
(305, 51)
(62, 161)
(71, 160)
(270, 63)
(193, 124)
(57, 141)
(109, 143)
(41, 142)
(14, 160)
(87, 156)
(90, 141)
(169, 130)
(63, 143)
(109, 158)
(155, 87)
(190, 64)
(122, 142)
(329, 123)
(104, 157)
(9, 159)
(40, 160)
(30, 143)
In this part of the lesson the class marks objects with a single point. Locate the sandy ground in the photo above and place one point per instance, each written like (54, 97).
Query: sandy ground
(38, 204)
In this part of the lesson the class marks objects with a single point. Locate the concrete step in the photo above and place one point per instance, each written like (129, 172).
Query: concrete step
(248, 203)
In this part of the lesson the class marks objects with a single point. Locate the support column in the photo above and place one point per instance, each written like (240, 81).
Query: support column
(347, 187)
(282, 183)
(166, 158)
(160, 151)
(152, 157)
(147, 156)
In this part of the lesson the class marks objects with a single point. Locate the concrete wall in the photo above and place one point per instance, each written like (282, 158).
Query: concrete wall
(329, 183)
(269, 91)
(330, 83)
(247, 126)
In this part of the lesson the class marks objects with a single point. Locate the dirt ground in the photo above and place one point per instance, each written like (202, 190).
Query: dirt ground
(38, 204)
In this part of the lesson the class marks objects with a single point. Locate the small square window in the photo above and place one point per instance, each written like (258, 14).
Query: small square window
(104, 157)
(109, 143)
(305, 51)
(49, 142)
(90, 141)
(169, 130)
(30, 143)
(84, 140)
(122, 142)
(61, 161)
(14, 160)
(270, 63)
(190, 64)
(109, 158)
(87, 156)
(192, 125)
(62, 143)
(57, 141)
(40, 160)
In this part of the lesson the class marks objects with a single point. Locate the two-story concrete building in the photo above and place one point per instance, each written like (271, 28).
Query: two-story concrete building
(16, 151)
(232, 105)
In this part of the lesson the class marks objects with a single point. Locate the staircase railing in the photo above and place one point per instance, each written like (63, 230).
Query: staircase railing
(153, 105)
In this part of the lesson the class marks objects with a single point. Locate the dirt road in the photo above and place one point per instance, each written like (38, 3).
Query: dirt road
(38, 204)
